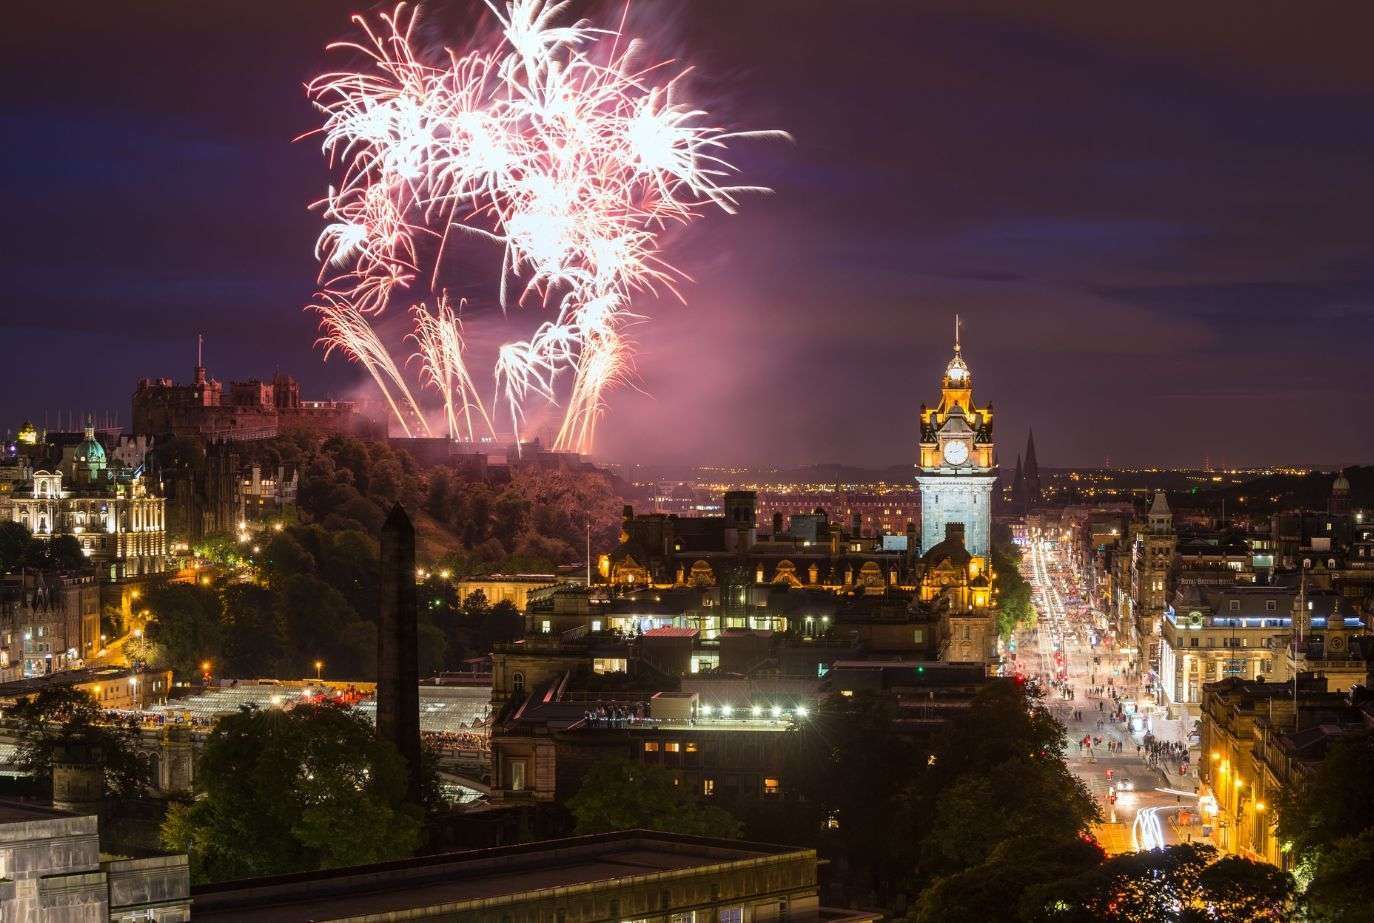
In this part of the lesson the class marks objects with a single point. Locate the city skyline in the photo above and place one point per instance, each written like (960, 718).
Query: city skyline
(1155, 238)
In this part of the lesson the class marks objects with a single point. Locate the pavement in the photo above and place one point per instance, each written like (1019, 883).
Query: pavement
(1150, 798)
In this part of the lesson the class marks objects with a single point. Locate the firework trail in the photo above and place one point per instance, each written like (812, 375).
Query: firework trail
(551, 141)
(344, 327)
(439, 337)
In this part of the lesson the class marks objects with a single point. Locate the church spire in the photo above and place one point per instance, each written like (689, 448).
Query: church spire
(956, 373)
(1032, 493)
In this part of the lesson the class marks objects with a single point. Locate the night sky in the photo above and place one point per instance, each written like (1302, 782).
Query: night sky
(1155, 220)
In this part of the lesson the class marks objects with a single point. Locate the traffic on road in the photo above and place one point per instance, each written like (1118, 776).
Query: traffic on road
(1139, 777)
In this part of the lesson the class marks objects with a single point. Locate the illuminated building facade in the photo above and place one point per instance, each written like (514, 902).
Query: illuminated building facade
(956, 591)
(726, 554)
(1152, 562)
(114, 513)
(958, 463)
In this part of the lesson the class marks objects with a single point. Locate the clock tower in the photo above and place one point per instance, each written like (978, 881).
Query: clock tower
(957, 467)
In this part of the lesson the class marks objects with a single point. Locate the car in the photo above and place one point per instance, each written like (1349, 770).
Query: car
(1125, 785)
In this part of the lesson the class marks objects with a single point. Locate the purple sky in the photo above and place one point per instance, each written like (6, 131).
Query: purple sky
(1156, 229)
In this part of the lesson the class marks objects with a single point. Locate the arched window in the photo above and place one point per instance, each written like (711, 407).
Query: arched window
(701, 575)
(518, 684)
(786, 572)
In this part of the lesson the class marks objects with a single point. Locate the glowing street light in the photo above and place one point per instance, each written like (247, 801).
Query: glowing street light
(319, 665)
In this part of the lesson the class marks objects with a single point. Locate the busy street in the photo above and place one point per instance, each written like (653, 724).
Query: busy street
(1134, 762)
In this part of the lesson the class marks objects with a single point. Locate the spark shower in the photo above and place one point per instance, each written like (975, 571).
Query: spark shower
(553, 142)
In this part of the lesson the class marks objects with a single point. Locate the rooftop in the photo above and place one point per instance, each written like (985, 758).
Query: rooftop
(455, 881)
(21, 812)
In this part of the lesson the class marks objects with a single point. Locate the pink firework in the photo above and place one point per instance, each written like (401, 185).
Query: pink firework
(549, 140)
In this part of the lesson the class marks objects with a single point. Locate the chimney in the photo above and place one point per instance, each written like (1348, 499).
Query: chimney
(398, 666)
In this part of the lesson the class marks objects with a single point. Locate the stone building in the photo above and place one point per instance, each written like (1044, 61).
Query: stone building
(48, 622)
(242, 410)
(631, 875)
(727, 554)
(1152, 563)
(53, 873)
(115, 513)
(956, 599)
(958, 462)
(1259, 741)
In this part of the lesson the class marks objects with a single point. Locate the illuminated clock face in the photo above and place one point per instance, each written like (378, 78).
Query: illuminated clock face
(956, 452)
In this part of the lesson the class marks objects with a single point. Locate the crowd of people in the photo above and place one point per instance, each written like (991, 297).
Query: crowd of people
(458, 740)
(1165, 752)
(618, 716)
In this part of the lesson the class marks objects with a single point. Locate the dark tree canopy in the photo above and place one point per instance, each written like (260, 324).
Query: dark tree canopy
(293, 790)
(64, 722)
(1330, 823)
(619, 794)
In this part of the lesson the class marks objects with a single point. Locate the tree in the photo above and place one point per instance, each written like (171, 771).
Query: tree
(1014, 800)
(1339, 887)
(312, 613)
(254, 638)
(1184, 883)
(186, 626)
(433, 649)
(15, 539)
(852, 738)
(285, 557)
(619, 794)
(64, 553)
(299, 790)
(64, 720)
(1017, 866)
(1253, 892)
(1329, 820)
(1336, 803)
(1015, 608)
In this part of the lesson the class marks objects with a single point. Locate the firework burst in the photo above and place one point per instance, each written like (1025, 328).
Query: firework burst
(549, 140)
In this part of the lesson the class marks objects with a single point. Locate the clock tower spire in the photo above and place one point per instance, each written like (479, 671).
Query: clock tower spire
(958, 465)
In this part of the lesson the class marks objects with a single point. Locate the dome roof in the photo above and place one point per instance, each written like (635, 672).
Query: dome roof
(957, 370)
(1341, 485)
(89, 451)
(951, 549)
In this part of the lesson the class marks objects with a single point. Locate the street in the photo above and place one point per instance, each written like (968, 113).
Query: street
(1089, 688)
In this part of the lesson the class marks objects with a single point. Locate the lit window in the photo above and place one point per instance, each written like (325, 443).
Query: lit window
(708, 786)
(672, 746)
(770, 786)
(650, 746)
(691, 746)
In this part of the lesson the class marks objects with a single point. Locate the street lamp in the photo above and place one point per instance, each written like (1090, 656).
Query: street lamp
(319, 665)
